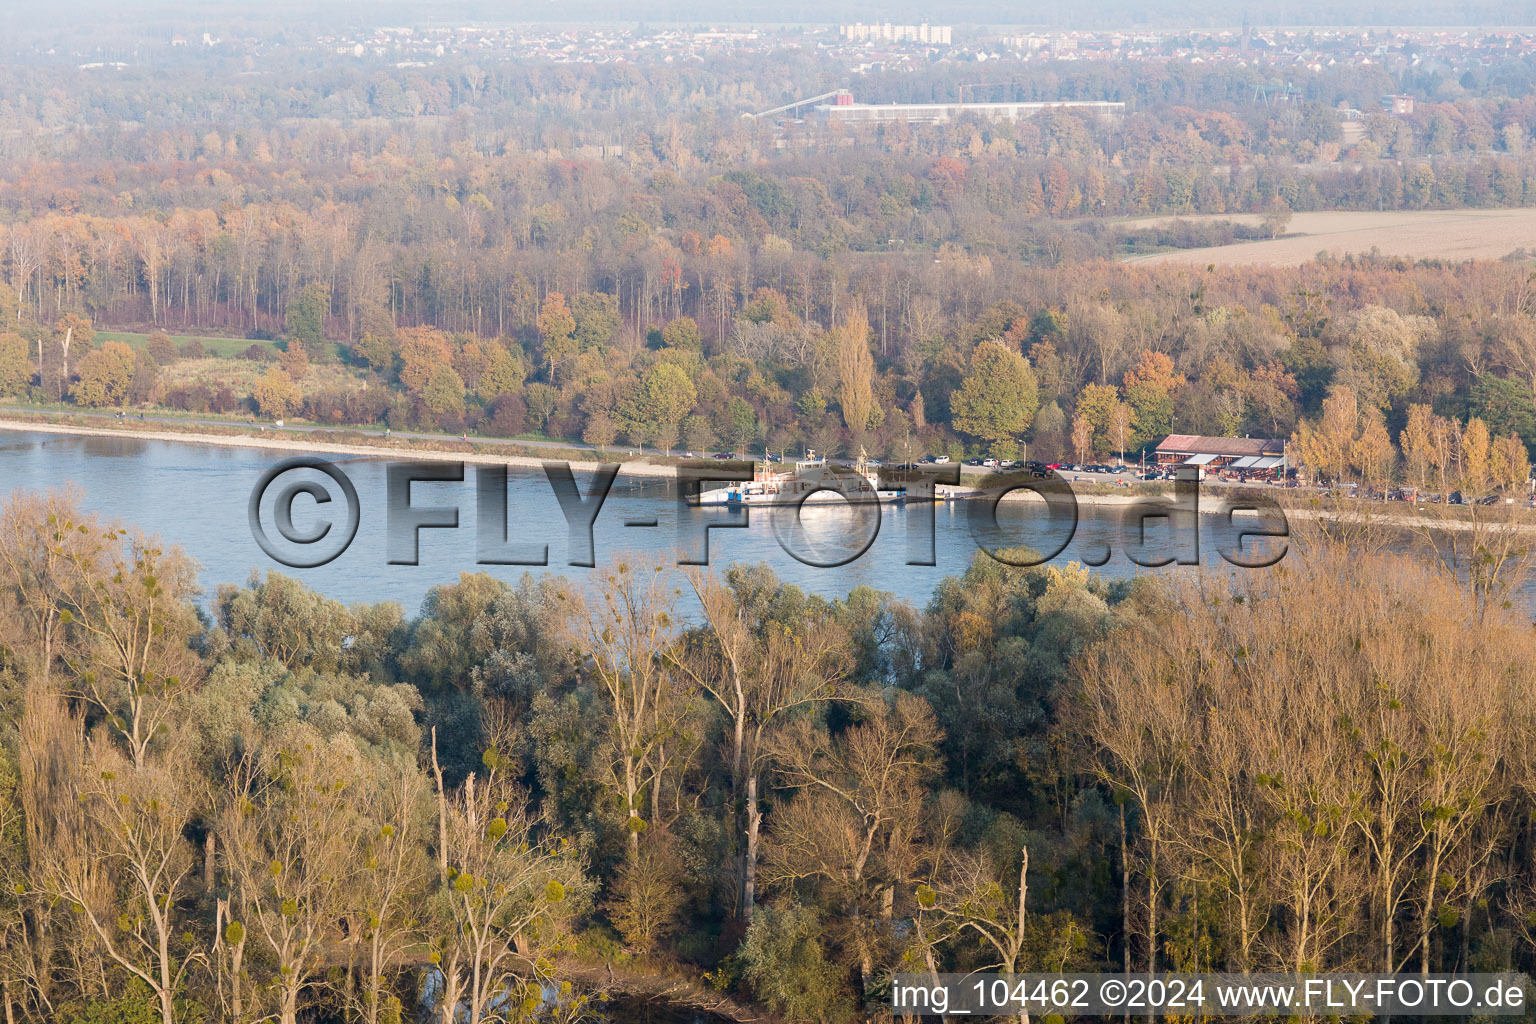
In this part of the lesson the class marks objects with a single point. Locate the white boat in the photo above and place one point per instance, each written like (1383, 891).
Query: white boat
(812, 481)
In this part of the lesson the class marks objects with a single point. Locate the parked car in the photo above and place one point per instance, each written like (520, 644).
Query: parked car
(941, 460)
(989, 463)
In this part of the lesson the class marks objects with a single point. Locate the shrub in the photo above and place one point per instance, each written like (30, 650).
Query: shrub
(189, 398)
(784, 962)
(224, 400)
(509, 416)
(161, 348)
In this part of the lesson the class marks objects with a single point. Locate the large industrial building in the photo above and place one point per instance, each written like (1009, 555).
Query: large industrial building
(845, 111)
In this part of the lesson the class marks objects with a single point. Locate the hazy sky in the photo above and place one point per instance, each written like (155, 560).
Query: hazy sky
(39, 14)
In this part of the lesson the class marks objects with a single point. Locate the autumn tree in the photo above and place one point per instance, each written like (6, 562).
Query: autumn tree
(129, 605)
(557, 328)
(385, 904)
(105, 376)
(855, 368)
(423, 351)
(1149, 387)
(1327, 445)
(295, 360)
(1372, 455)
(628, 630)
(15, 364)
(760, 663)
(277, 395)
(849, 830)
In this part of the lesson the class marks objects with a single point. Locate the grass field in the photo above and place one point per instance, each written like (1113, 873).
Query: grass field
(1416, 234)
(222, 347)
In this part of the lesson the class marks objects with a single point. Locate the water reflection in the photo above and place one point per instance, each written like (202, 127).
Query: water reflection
(195, 495)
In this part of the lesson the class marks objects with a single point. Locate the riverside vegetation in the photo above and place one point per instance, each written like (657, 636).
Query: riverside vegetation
(282, 808)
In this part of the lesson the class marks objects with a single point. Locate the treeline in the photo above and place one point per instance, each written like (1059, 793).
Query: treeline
(963, 355)
(131, 115)
(294, 809)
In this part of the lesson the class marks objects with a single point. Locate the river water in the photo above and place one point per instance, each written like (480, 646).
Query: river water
(196, 496)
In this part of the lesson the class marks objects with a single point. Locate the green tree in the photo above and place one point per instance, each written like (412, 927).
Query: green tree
(669, 395)
(1505, 405)
(444, 393)
(1096, 403)
(998, 398)
(503, 375)
(786, 963)
(683, 332)
(15, 364)
(305, 316)
(740, 423)
(596, 319)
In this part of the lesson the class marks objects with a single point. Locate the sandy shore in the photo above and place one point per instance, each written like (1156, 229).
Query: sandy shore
(276, 440)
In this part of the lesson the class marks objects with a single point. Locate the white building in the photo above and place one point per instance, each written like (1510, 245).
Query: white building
(888, 33)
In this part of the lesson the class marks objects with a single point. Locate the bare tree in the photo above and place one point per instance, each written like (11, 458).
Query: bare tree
(288, 823)
(133, 845)
(627, 633)
(758, 670)
(857, 811)
(509, 891)
(393, 877)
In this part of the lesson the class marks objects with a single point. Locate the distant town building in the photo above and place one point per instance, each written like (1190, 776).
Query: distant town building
(1398, 103)
(888, 33)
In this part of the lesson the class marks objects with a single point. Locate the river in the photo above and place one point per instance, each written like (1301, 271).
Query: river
(195, 496)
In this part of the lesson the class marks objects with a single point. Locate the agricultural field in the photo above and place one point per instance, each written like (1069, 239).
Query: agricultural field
(241, 375)
(222, 347)
(1417, 234)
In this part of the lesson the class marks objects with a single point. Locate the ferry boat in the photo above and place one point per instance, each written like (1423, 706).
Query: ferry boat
(812, 481)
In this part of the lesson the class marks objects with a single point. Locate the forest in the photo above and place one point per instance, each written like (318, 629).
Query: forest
(612, 255)
(258, 804)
